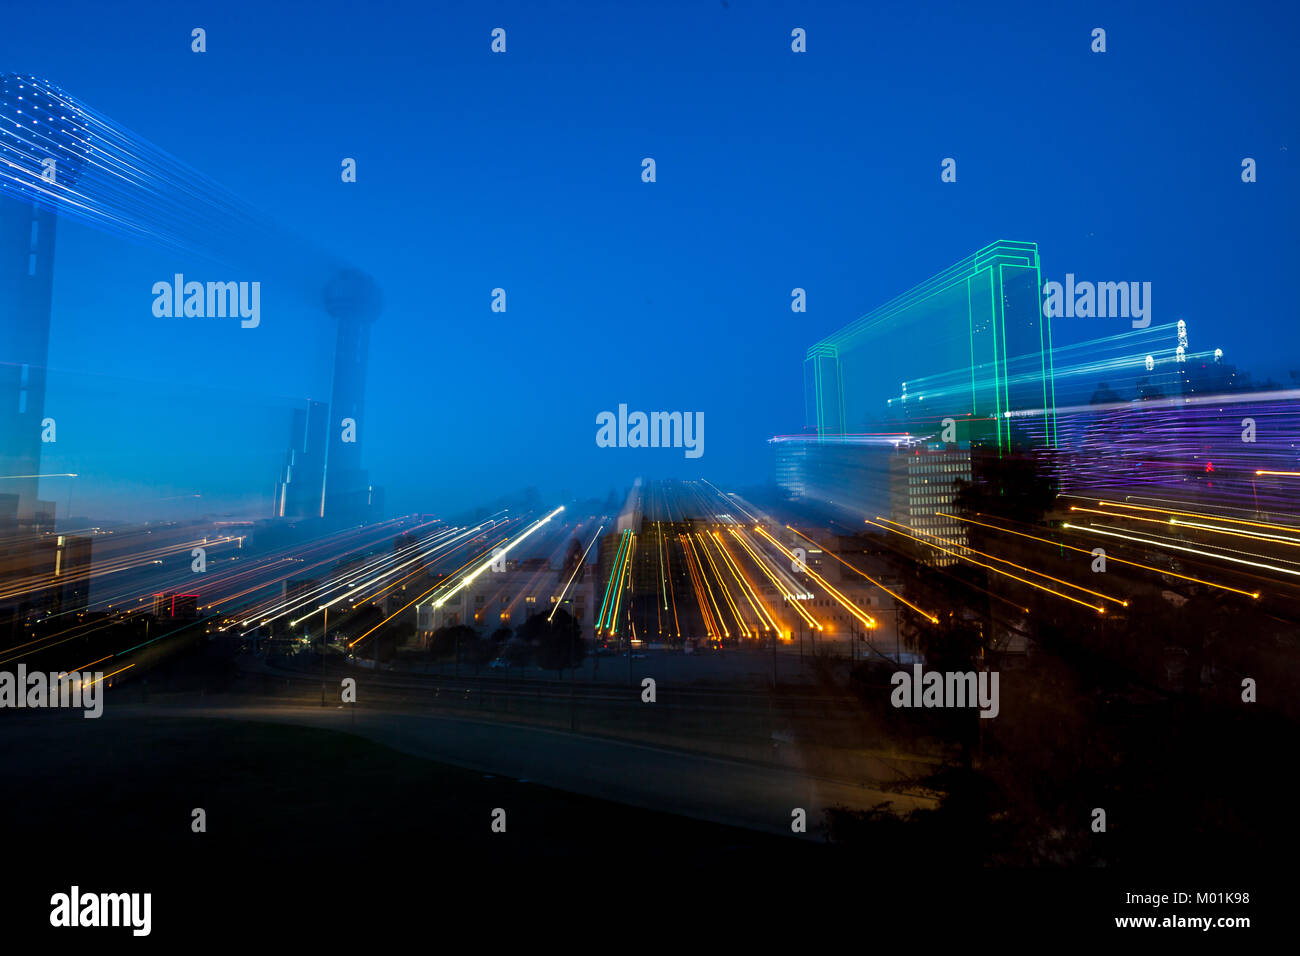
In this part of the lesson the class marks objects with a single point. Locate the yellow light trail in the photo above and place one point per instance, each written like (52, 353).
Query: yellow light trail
(722, 627)
(1095, 529)
(722, 584)
(672, 592)
(107, 676)
(848, 605)
(659, 554)
(746, 587)
(791, 599)
(898, 597)
(1134, 564)
(1193, 514)
(78, 670)
(724, 587)
(1255, 535)
(1032, 584)
(694, 585)
(663, 576)
(712, 628)
(1280, 474)
(1018, 567)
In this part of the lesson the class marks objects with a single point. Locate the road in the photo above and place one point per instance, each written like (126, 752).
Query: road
(703, 787)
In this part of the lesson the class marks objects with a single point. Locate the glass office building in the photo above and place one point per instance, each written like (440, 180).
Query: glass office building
(971, 343)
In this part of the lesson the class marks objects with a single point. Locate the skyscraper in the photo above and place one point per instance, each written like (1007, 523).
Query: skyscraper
(354, 301)
(968, 343)
(300, 492)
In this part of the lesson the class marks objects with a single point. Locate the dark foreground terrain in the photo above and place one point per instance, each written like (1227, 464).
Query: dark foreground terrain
(320, 836)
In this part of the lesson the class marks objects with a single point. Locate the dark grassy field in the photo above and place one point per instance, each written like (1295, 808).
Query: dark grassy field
(309, 825)
(317, 837)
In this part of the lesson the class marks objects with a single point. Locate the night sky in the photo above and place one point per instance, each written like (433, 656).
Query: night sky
(775, 170)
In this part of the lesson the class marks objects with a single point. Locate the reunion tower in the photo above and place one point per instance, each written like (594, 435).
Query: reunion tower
(59, 157)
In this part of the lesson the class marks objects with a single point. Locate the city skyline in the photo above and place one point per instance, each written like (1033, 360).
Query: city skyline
(746, 461)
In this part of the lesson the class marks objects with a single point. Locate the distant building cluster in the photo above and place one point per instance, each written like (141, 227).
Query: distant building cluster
(508, 598)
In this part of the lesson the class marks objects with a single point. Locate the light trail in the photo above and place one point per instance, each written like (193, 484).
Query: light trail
(613, 573)
(582, 562)
(310, 596)
(78, 670)
(1018, 567)
(1032, 584)
(1115, 533)
(618, 595)
(1256, 536)
(747, 588)
(898, 597)
(107, 676)
(713, 543)
(488, 563)
(663, 573)
(34, 584)
(722, 627)
(420, 597)
(1193, 514)
(414, 601)
(787, 594)
(722, 586)
(371, 569)
(672, 591)
(848, 605)
(712, 628)
(731, 501)
(1061, 544)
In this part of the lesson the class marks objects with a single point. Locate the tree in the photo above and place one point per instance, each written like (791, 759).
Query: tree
(445, 640)
(518, 652)
(478, 651)
(392, 635)
(1009, 486)
(558, 639)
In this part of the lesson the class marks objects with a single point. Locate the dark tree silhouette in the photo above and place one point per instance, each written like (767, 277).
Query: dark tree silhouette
(445, 640)
(558, 640)
(1009, 485)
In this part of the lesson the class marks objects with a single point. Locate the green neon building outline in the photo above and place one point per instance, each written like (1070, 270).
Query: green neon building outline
(823, 358)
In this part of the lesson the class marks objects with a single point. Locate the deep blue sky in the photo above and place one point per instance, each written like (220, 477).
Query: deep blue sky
(522, 170)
